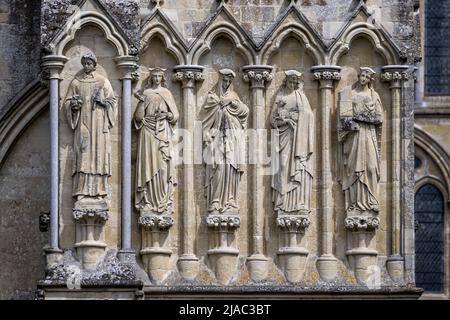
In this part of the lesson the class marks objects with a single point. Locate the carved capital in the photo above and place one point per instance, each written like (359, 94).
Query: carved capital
(223, 222)
(293, 223)
(362, 223)
(326, 72)
(129, 67)
(53, 65)
(397, 73)
(257, 75)
(188, 75)
(83, 213)
(159, 222)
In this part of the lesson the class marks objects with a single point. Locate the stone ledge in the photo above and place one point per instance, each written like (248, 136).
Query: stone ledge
(280, 292)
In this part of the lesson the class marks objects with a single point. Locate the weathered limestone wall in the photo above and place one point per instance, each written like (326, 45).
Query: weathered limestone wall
(19, 34)
(24, 194)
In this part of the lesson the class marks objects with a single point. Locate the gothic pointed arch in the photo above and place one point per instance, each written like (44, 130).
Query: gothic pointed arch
(437, 153)
(293, 23)
(222, 24)
(362, 24)
(91, 12)
(159, 25)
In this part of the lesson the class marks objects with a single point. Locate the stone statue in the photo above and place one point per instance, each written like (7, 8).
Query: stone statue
(360, 119)
(293, 120)
(91, 107)
(155, 117)
(224, 114)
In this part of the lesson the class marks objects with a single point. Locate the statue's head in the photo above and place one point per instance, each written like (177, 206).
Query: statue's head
(293, 79)
(89, 62)
(157, 76)
(366, 76)
(227, 77)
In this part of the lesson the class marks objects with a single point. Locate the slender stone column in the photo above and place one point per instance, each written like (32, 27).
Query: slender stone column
(54, 65)
(395, 75)
(326, 75)
(128, 65)
(188, 75)
(257, 76)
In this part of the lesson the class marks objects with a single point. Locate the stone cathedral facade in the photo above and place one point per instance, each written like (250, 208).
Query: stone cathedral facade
(185, 148)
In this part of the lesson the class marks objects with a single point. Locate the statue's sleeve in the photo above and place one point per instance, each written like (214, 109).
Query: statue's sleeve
(73, 117)
(173, 108)
(110, 102)
(274, 112)
(139, 113)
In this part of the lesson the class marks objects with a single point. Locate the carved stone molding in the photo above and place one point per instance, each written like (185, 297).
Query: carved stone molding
(327, 75)
(293, 223)
(223, 222)
(257, 75)
(80, 213)
(362, 223)
(160, 222)
(188, 75)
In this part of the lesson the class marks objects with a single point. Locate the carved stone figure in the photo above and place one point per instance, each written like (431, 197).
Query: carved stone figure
(293, 120)
(360, 117)
(224, 118)
(224, 115)
(155, 117)
(90, 108)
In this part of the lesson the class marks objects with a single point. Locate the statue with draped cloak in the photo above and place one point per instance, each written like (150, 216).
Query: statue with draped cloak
(90, 107)
(360, 119)
(293, 121)
(224, 119)
(155, 118)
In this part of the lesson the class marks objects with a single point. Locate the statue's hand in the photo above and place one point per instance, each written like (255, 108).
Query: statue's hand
(298, 164)
(99, 100)
(290, 123)
(169, 116)
(75, 103)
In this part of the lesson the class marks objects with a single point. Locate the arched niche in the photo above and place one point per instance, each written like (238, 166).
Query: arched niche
(363, 53)
(156, 54)
(90, 38)
(292, 55)
(24, 175)
(223, 54)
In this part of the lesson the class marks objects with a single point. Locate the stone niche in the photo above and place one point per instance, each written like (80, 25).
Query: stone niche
(215, 233)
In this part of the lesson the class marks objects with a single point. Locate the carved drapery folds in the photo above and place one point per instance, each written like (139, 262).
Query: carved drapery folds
(299, 199)
(293, 121)
(91, 110)
(360, 121)
(155, 118)
(224, 119)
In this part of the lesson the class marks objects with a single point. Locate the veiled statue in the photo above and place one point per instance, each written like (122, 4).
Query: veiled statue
(293, 121)
(360, 119)
(224, 116)
(155, 118)
(91, 107)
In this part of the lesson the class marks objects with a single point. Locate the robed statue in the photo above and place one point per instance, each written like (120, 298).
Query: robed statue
(293, 121)
(224, 119)
(360, 119)
(155, 118)
(90, 108)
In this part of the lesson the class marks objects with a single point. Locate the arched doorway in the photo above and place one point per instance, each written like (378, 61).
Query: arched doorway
(429, 238)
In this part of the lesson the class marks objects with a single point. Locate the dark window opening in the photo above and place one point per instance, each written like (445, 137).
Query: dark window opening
(429, 238)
